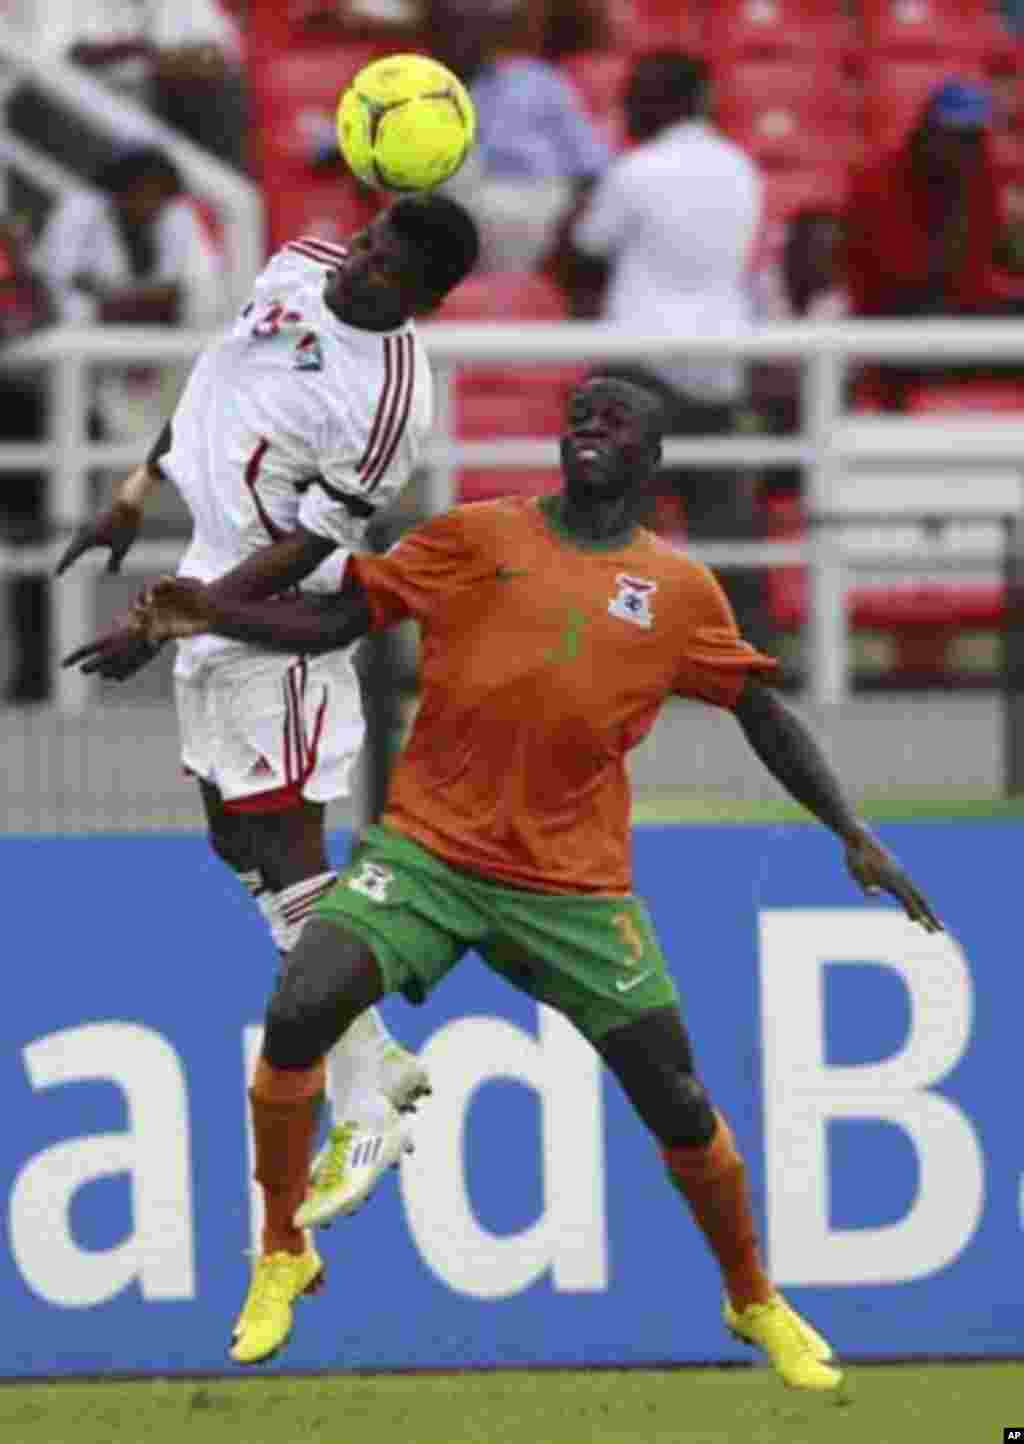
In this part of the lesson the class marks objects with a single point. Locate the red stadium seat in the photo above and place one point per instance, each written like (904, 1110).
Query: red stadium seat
(738, 29)
(656, 24)
(503, 296)
(922, 618)
(498, 401)
(787, 113)
(972, 396)
(486, 417)
(786, 192)
(926, 27)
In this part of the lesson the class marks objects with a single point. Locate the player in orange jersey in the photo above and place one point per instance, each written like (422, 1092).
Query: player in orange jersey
(553, 630)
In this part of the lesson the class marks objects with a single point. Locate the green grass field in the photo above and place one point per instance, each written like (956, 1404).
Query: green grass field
(901, 1404)
(664, 804)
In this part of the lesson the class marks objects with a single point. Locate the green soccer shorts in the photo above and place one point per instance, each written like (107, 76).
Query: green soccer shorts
(594, 958)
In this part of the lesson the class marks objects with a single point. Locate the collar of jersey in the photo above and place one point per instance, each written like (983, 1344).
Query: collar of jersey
(549, 507)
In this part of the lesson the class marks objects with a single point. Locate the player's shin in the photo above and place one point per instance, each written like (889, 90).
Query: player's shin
(283, 1102)
(713, 1180)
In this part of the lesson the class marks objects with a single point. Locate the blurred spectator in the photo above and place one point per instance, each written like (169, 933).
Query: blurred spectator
(570, 26)
(673, 223)
(537, 146)
(181, 60)
(25, 306)
(805, 285)
(1014, 13)
(138, 251)
(925, 232)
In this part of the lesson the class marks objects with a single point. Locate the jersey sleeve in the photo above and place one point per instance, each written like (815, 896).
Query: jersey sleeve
(414, 578)
(349, 484)
(714, 660)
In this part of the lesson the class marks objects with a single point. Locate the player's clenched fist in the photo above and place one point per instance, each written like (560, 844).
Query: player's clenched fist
(174, 607)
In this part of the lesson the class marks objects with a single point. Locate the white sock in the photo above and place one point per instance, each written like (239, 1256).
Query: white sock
(293, 905)
(266, 901)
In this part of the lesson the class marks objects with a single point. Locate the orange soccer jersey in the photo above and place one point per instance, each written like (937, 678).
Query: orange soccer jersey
(544, 661)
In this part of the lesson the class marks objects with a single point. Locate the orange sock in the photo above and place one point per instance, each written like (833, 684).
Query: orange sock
(284, 1105)
(713, 1180)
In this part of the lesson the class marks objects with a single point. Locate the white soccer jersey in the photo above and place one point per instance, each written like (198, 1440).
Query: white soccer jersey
(293, 418)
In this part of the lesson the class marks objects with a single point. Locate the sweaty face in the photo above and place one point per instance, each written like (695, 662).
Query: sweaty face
(379, 283)
(608, 447)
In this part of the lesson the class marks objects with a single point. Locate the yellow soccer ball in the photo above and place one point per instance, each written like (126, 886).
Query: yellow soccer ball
(406, 123)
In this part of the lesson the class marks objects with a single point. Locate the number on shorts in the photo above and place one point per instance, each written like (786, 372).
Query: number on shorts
(630, 936)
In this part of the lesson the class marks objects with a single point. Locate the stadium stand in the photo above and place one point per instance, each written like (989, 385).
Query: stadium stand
(749, 29)
(509, 401)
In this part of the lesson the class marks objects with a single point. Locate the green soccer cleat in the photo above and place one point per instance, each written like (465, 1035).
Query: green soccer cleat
(278, 1279)
(798, 1354)
(349, 1168)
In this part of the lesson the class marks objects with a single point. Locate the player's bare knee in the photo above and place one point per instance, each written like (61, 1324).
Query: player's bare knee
(330, 978)
(691, 1122)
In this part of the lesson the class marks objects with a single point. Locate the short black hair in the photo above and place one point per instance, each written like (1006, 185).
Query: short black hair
(129, 166)
(639, 398)
(673, 74)
(444, 232)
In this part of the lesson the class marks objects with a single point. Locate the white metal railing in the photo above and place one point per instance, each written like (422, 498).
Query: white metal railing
(825, 448)
(238, 201)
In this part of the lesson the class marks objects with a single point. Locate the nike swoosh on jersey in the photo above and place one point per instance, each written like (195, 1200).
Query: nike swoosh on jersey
(626, 985)
(506, 574)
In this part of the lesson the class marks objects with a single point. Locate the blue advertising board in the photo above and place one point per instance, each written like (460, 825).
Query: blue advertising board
(867, 1069)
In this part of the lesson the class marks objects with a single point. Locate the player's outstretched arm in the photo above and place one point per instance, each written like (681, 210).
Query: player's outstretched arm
(788, 749)
(273, 568)
(118, 527)
(311, 624)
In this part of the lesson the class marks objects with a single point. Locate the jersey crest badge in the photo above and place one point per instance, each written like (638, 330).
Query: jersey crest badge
(632, 602)
(373, 881)
(308, 355)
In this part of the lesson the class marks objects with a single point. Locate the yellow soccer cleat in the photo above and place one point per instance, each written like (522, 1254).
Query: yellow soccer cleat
(798, 1354)
(265, 1322)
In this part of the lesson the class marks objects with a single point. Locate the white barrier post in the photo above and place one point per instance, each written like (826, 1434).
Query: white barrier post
(73, 610)
(439, 492)
(827, 638)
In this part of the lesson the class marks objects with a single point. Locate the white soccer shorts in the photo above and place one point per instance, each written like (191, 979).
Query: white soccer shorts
(269, 730)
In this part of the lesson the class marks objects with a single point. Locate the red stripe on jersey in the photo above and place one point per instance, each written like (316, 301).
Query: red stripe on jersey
(385, 462)
(382, 403)
(384, 446)
(252, 471)
(298, 720)
(317, 243)
(320, 257)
